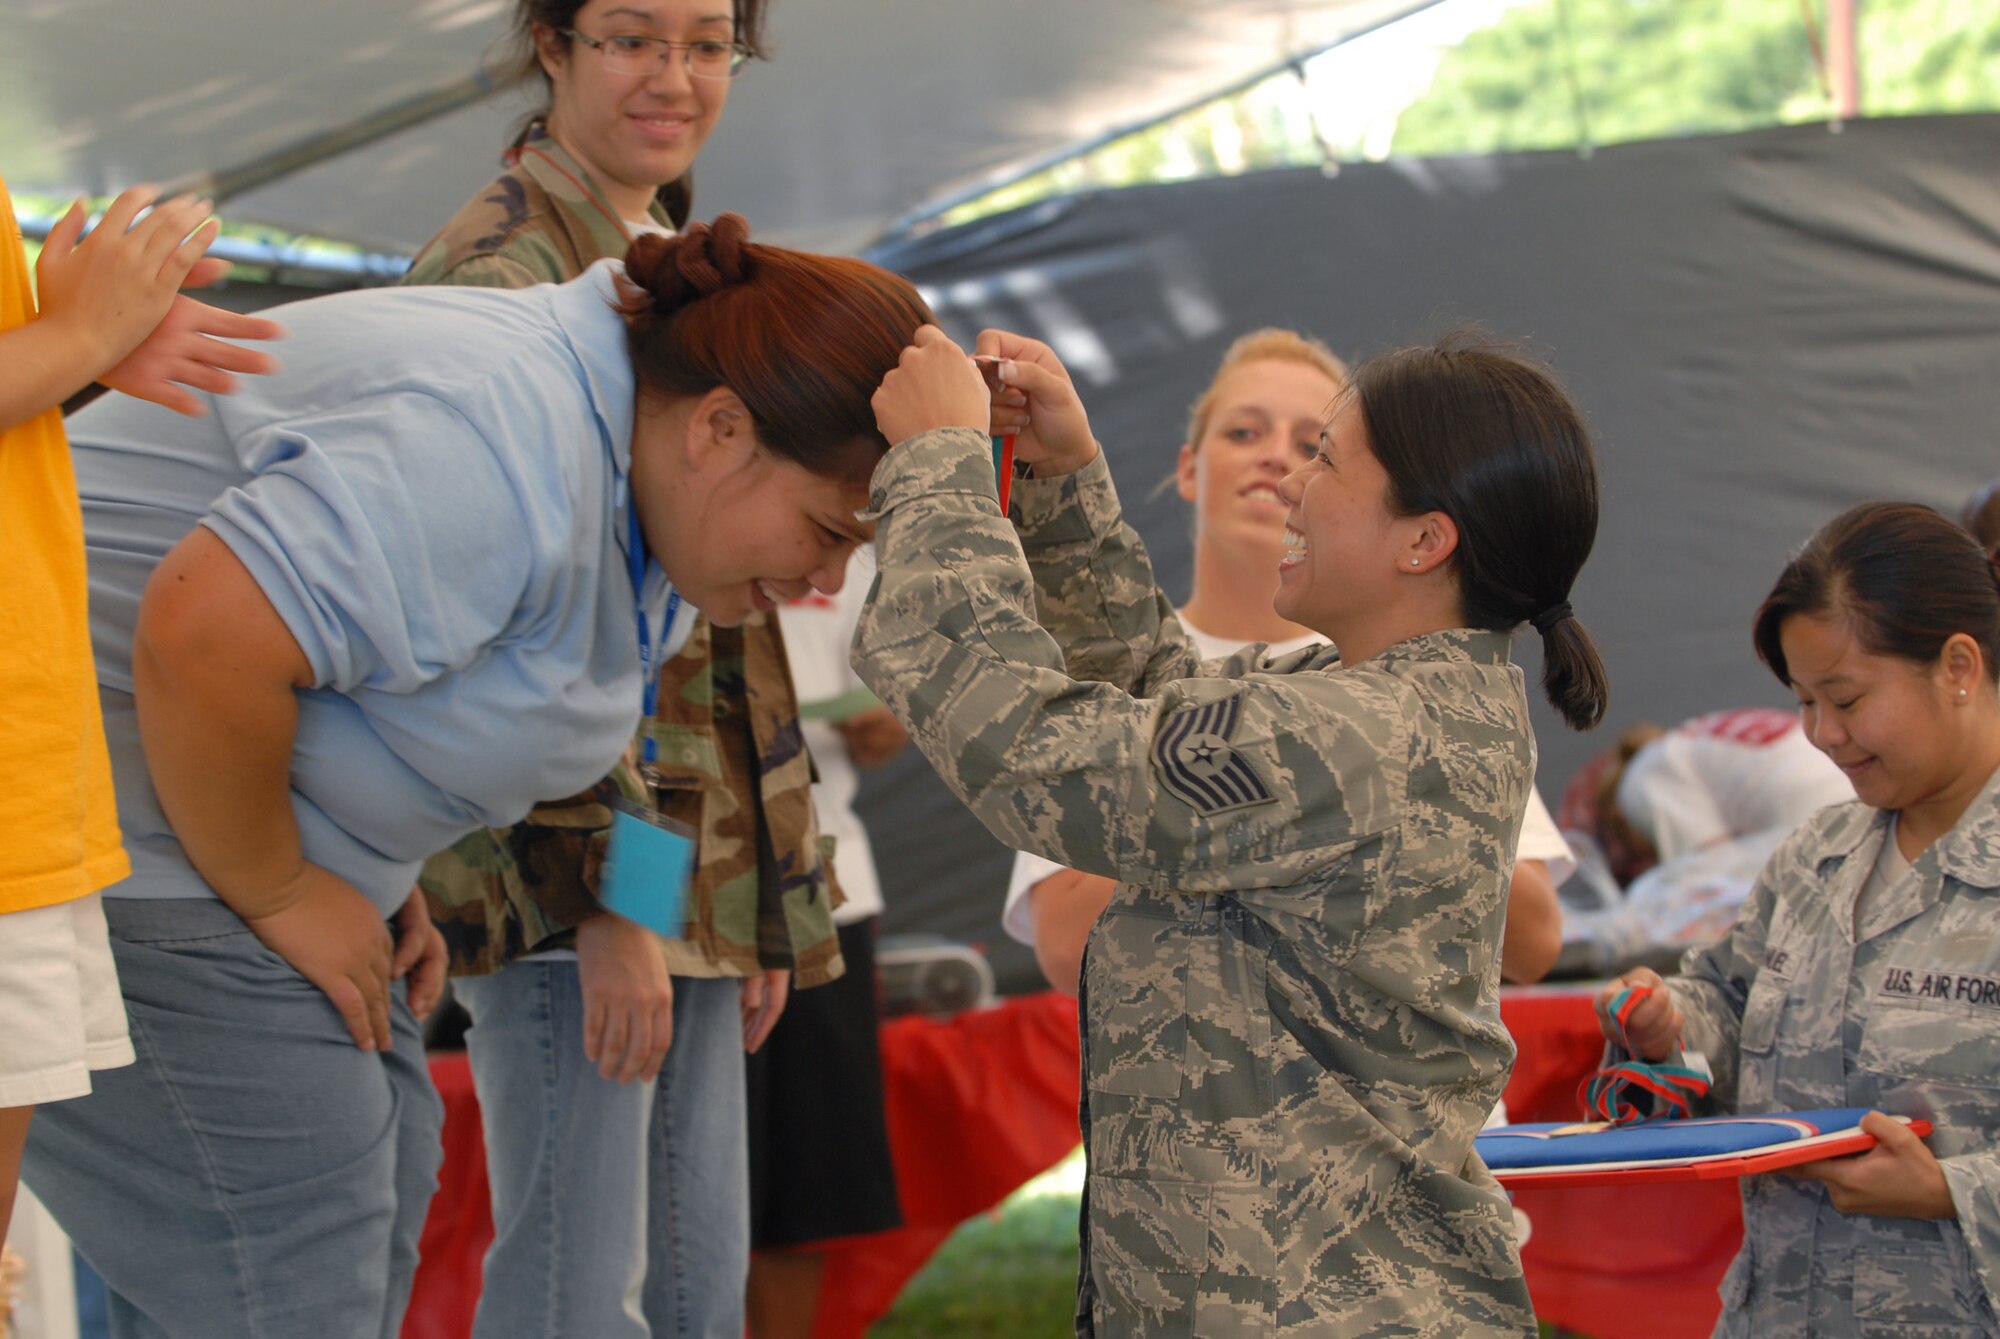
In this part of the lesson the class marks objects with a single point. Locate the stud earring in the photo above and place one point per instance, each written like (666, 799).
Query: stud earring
(1961, 692)
(1416, 562)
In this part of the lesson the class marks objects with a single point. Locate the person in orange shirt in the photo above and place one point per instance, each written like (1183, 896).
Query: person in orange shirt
(110, 309)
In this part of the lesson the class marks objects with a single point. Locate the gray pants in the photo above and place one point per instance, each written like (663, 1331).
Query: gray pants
(253, 1174)
(620, 1211)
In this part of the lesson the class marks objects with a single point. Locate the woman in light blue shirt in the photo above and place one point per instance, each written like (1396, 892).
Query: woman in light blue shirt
(403, 589)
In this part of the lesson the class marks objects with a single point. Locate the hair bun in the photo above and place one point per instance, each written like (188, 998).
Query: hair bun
(665, 273)
(710, 255)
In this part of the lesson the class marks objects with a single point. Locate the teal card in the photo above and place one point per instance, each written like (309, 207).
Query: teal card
(646, 870)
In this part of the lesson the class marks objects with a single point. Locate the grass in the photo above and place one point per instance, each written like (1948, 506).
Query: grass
(1009, 1273)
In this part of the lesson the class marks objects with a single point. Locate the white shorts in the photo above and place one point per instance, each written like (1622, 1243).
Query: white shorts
(59, 997)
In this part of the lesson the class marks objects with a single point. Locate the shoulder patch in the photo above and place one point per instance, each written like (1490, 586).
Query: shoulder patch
(1199, 765)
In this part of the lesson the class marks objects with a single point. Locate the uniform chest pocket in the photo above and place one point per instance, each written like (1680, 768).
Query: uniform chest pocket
(1936, 1041)
(1763, 1010)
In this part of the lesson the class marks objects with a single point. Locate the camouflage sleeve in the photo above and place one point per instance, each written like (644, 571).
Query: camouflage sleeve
(498, 894)
(1195, 784)
(1714, 984)
(495, 270)
(1974, 1181)
(1123, 633)
(527, 259)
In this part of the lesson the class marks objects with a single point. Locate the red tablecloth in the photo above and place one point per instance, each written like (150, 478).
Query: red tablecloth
(980, 1103)
(460, 1225)
(1639, 1262)
(977, 1105)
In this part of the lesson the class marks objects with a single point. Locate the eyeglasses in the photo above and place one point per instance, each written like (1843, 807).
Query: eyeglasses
(708, 59)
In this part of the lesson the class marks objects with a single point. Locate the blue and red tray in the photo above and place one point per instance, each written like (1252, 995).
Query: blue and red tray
(1703, 1149)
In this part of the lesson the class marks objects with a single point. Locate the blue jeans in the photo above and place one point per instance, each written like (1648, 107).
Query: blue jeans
(620, 1211)
(253, 1174)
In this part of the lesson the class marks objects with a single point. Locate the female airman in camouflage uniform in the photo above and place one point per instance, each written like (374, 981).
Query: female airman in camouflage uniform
(1291, 1015)
(1864, 969)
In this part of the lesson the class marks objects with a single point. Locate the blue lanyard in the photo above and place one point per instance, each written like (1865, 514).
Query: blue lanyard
(649, 679)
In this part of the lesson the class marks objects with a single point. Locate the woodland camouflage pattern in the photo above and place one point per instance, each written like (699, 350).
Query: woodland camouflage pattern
(1794, 1014)
(1291, 1009)
(727, 725)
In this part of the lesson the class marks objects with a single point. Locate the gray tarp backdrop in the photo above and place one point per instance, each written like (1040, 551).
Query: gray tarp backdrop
(1763, 329)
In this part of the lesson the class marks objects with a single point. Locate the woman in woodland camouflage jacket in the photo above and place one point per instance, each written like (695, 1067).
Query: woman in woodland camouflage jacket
(634, 90)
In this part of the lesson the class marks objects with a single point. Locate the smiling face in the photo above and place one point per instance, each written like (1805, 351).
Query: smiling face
(1342, 542)
(738, 528)
(1891, 725)
(634, 133)
(1263, 424)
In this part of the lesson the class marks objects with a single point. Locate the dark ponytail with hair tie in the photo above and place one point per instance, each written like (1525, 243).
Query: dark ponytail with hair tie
(1475, 430)
(1545, 621)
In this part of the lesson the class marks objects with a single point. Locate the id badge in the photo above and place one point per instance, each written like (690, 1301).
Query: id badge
(646, 869)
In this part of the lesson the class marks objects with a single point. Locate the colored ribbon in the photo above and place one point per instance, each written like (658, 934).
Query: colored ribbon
(1003, 468)
(1614, 1093)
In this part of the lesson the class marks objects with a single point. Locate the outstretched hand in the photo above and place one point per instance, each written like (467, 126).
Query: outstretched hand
(187, 350)
(115, 295)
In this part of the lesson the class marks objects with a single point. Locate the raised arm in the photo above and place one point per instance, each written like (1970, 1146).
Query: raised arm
(1199, 784)
(1146, 643)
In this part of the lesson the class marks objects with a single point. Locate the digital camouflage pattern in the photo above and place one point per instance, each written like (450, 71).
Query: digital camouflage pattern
(1291, 1007)
(1796, 1011)
(733, 764)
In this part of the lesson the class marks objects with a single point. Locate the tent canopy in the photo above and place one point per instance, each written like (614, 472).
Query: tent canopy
(1761, 330)
(869, 107)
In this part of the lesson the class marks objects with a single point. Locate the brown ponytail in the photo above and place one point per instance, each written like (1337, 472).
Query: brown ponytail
(1573, 677)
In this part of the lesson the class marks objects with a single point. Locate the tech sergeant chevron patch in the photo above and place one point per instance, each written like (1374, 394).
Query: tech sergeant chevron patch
(1199, 765)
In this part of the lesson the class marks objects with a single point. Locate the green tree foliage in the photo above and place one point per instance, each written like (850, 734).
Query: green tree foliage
(1553, 74)
(1557, 73)
(1929, 56)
